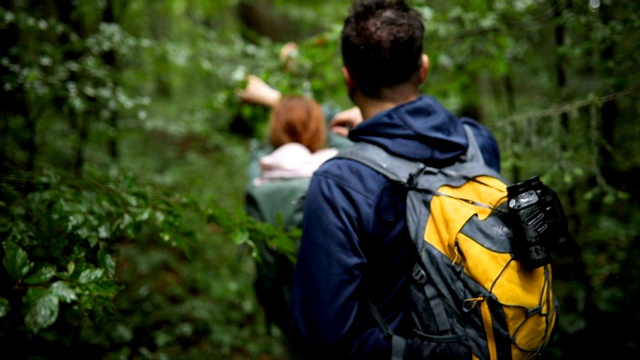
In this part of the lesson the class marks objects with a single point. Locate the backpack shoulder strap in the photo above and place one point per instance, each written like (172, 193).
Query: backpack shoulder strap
(473, 150)
(400, 169)
(393, 167)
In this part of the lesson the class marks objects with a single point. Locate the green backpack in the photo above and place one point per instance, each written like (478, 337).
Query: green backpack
(468, 282)
(279, 203)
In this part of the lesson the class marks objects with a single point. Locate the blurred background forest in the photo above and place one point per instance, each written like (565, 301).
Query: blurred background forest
(124, 153)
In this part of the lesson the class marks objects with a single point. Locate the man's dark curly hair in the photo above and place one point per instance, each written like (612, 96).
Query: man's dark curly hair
(382, 43)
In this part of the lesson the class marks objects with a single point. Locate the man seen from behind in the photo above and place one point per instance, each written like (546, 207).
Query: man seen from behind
(355, 249)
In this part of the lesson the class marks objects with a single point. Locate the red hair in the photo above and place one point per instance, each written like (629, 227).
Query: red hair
(298, 119)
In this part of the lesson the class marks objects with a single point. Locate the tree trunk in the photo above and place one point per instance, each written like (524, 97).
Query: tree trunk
(109, 59)
(14, 103)
(609, 110)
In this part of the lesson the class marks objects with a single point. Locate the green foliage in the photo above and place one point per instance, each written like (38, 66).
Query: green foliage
(59, 244)
(76, 242)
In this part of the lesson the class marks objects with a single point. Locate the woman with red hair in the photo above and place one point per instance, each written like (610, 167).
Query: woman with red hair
(298, 134)
(279, 177)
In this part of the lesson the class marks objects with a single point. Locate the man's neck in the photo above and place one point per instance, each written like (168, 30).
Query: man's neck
(371, 107)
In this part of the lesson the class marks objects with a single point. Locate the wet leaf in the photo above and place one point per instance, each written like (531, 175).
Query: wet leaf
(16, 261)
(107, 262)
(63, 291)
(41, 309)
(42, 273)
(90, 275)
(4, 307)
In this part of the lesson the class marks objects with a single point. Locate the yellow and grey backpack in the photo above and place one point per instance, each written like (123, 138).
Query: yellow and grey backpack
(468, 284)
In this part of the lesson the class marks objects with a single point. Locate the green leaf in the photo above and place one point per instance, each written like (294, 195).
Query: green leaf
(240, 236)
(90, 275)
(165, 235)
(144, 215)
(107, 262)
(4, 307)
(74, 221)
(42, 273)
(162, 338)
(104, 232)
(71, 266)
(63, 291)
(41, 309)
(107, 289)
(16, 261)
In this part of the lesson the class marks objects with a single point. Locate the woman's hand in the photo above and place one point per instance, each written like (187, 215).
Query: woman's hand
(259, 92)
(345, 120)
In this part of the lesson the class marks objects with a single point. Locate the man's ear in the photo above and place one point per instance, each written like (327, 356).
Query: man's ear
(347, 78)
(348, 82)
(424, 68)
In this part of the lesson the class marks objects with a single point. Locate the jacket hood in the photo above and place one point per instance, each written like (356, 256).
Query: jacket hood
(292, 160)
(421, 130)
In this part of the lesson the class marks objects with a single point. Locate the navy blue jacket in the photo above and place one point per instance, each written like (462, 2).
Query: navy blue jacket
(355, 247)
